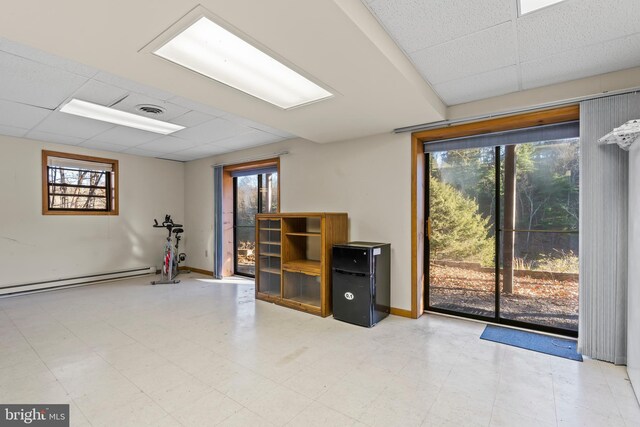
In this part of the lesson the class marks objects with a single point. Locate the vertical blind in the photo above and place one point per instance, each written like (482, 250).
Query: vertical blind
(217, 222)
(604, 171)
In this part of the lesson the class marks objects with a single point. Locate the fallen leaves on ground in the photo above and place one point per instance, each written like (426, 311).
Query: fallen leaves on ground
(545, 301)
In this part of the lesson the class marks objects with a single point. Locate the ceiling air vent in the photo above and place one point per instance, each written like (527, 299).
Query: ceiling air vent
(149, 109)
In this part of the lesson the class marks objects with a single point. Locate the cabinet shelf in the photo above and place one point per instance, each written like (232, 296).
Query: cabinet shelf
(305, 266)
(293, 258)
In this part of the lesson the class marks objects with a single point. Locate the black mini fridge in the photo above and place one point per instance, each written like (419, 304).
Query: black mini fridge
(361, 282)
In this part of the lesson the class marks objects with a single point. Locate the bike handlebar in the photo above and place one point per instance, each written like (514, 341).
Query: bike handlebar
(167, 223)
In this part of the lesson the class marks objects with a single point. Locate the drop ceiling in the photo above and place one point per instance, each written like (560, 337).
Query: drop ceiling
(34, 84)
(472, 50)
(389, 63)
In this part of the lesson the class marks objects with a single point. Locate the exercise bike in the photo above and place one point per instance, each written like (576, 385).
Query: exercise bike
(171, 258)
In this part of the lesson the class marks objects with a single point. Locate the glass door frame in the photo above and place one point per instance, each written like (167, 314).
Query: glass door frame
(260, 174)
(497, 233)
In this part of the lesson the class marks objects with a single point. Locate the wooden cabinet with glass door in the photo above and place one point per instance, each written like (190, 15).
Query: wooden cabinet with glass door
(294, 258)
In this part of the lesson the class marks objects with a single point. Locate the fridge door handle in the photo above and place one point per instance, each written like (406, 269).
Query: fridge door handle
(350, 273)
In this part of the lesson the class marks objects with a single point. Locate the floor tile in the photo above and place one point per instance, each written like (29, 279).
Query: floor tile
(206, 353)
(209, 409)
(318, 415)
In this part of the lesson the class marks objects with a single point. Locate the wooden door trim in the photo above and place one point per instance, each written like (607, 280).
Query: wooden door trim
(418, 172)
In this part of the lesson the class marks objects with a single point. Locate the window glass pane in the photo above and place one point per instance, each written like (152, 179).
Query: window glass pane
(461, 245)
(77, 202)
(246, 199)
(245, 250)
(79, 183)
(539, 260)
(269, 193)
(77, 191)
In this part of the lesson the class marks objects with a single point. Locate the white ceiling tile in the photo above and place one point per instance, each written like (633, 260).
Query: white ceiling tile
(584, 62)
(130, 103)
(99, 93)
(247, 140)
(21, 116)
(52, 137)
(104, 146)
(417, 24)
(177, 157)
(70, 125)
(212, 131)
(12, 131)
(192, 118)
(167, 144)
(197, 106)
(255, 125)
(36, 84)
(138, 152)
(479, 86)
(132, 86)
(201, 151)
(46, 58)
(126, 136)
(483, 51)
(573, 24)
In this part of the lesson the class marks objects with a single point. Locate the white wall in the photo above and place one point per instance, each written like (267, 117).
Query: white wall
(369, 178)
(35, 247)
(633, 313)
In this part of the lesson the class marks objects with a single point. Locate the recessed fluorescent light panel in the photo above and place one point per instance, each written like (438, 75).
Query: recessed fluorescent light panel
(527, 6)
(207, 48)
(111, 115)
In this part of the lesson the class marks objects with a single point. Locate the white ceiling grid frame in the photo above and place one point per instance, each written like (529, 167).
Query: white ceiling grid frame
(212, 131)
(485, 85)
(566, 41)
(599, 21)
(584, 62)
(47, 59)
(419, 24)
(167, 144)
(52, 137)
(29, 76)
(21, 116)
(128, 137)
(99, 93)
(36, 84)
(65, 124)
(486, 50)
(12, 131)
(247, 140)
(104, 146)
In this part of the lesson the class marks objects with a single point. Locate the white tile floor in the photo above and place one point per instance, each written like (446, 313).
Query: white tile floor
(205, 353)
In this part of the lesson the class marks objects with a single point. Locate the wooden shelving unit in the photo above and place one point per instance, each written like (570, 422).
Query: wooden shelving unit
(293, 258)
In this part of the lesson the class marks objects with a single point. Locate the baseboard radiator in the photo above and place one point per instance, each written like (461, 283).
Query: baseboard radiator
(12, 290)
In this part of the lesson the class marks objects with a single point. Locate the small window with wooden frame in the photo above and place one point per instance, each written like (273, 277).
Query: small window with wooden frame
(74, 184)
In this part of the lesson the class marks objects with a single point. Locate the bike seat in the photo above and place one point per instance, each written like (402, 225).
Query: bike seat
(178, 230)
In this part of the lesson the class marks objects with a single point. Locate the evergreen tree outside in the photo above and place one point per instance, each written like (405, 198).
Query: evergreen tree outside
(459, 231)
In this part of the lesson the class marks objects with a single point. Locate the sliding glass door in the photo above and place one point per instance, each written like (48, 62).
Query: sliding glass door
(462, 209)
(513, 206)
(253, 192)
(539, 234)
